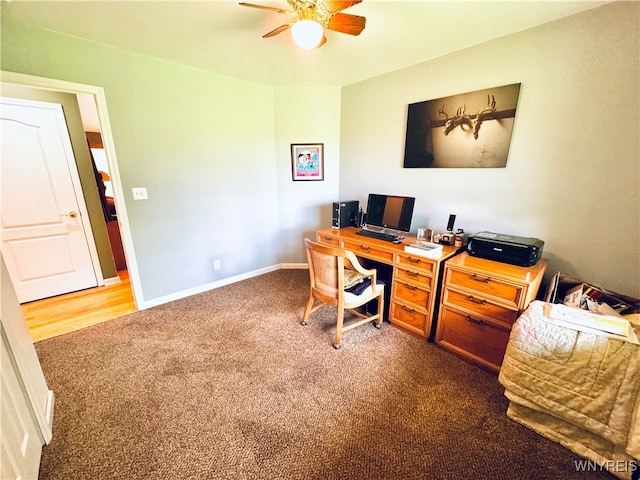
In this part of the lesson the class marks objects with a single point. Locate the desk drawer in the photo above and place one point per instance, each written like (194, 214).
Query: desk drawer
(411, 293)
(481, 305)
(328, 239)
(416, 261)
(360, 248)
(408, 317)
(415, 276)
(511, 294)
(473, 337)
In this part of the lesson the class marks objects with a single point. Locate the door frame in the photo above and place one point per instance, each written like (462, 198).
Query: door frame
(44, 83)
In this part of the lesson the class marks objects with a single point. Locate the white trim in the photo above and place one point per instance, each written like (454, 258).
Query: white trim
(220, 283)
(112, 281)
(109, 148)
(48, 415)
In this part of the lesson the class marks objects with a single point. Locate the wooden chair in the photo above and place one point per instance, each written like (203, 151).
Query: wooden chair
(327, 267)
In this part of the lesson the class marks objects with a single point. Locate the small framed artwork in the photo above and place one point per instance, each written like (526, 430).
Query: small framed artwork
(307, 161)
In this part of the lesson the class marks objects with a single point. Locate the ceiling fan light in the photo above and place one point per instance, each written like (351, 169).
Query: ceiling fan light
(307, 34)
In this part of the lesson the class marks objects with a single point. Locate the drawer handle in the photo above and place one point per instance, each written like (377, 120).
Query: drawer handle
(479, 301)
(473, 320)
(414, 260)
(478, 278)
(412, 274)
(410, 310)
(365, 247)
(410, 287)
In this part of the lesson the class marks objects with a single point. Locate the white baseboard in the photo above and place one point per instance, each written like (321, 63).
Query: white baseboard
(112, 281)
(220, 283)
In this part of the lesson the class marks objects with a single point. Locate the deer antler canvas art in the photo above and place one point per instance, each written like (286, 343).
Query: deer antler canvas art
(478, 134)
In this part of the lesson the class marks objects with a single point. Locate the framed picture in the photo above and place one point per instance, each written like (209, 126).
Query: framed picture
(307, 161)
(468, 130)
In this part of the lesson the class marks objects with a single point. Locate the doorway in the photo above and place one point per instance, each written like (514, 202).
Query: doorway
(54, 316)
(123, 290)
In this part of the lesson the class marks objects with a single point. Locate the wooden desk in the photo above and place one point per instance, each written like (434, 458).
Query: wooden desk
(415, 281)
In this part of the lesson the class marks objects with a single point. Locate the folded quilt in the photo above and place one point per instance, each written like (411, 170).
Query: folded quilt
(587, 380)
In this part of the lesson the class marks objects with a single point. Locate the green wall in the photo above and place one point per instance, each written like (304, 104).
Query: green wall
(202, 144)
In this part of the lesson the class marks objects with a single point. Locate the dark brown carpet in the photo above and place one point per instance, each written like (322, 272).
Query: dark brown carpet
(228, 385)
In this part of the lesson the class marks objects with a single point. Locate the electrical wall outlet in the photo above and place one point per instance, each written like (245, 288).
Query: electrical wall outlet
(216, 265)
(139, 193)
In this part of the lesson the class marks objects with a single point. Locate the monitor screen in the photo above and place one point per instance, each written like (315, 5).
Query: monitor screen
(389, 211)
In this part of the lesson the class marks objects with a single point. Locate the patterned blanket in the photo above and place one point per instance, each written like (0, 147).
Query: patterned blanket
(579, 389)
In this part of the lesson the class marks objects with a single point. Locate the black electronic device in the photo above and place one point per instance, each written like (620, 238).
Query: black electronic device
(345, 214)
(521, 251)
(451, 222)
(448, 237)
(390, 212)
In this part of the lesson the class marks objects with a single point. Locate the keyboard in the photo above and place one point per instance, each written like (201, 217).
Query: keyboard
(387, 237)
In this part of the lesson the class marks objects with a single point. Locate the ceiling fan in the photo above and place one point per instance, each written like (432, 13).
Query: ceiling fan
(313, 17)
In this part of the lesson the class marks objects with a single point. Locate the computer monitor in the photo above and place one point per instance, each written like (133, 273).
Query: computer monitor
(389, 212)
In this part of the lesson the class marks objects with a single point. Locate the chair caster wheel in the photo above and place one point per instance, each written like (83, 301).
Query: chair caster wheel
(303, 323)
(377, 325)
(337, 346)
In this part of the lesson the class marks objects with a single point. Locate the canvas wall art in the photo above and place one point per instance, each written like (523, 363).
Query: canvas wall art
(470, 130)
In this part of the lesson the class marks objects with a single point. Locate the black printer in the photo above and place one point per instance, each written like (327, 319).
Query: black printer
(521, 251)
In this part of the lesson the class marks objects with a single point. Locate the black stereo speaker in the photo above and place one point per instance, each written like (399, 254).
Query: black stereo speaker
(345, 214)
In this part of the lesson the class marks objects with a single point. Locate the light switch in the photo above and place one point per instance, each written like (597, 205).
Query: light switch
(139, 193)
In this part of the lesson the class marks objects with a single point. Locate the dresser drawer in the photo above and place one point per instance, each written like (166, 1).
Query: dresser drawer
(472, 337)
(328, 239)
(408, 317)
(510, 293)
(360, 248)
(416, 261)
(415, 276)
(411, 293)
(475, 303)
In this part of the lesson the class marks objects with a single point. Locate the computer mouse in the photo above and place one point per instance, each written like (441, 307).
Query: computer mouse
(397, 240)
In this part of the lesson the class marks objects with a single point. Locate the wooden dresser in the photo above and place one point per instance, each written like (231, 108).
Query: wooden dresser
(415, 281)
(481, 300)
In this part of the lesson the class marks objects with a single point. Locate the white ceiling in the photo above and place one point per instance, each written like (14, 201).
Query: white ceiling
(226, 38)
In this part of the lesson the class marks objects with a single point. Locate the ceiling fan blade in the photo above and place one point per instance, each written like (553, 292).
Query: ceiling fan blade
(346, 23)
(264, 7)
(322, 41)
(335, 6)
(278, 30)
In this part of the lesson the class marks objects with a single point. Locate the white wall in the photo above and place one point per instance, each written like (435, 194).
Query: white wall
(573, 173)
(305, 116)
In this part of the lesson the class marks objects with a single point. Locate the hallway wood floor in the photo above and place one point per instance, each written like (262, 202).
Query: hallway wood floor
(55, 316)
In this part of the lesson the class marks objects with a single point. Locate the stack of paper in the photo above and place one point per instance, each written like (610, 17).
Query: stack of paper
(585, 321)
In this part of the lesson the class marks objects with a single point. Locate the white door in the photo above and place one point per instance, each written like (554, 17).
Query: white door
(45, 238)
(20, 445)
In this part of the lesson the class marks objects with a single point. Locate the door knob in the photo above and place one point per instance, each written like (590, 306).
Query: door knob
(71, 214)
